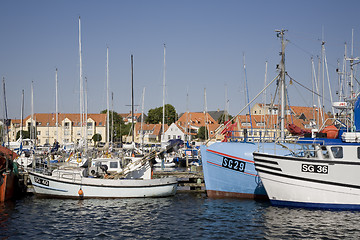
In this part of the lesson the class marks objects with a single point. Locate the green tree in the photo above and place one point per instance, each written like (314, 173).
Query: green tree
(96, 138)
(120, 128)
(155, 115)
(223, 117)
(25, 134)
(201, 133)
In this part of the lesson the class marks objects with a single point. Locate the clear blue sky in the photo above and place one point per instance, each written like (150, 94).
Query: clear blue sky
(205, 43)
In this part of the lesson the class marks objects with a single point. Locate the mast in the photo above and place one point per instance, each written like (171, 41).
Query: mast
(86, 117)
(163, 117)
(32, 111)
(264, 104)
(112, 117)
(5, 112)
(56, 105)
(206, 117)
(280, 33)
(81, 83)
(132, 98)
(107, 97)
(142, 119)
(22, 114)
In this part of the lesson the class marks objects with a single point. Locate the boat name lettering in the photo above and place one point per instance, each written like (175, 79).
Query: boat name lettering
(233, 164)
(41, 181)
(314, 168)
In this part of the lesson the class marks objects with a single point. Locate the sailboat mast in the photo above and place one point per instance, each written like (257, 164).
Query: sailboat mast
(81, 82)
(163, 117)
(132, 98)
(5, 112)
(32, 111)
(56, 105)
(107, 97)
(112, 117)
(205, 113)
(22, 114)
(142, 119)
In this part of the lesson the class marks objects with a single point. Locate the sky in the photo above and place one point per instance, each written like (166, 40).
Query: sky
(206, 41)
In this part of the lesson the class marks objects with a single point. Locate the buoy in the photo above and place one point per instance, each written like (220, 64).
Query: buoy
(81, 193)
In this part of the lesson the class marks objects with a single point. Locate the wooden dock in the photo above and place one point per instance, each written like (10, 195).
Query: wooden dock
(190, 180)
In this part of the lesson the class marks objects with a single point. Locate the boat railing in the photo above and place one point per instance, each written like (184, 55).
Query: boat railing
(67, 173)
(254, 135)
(290, 147)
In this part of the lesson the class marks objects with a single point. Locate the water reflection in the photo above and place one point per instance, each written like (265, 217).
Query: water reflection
(184, 216)
(297, 223)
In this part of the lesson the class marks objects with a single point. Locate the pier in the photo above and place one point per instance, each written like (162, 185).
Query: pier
(190, 180)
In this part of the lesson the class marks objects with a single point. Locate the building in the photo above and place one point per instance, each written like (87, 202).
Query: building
(152, 132)
(264, 121)
(188, 125)
(69, 127)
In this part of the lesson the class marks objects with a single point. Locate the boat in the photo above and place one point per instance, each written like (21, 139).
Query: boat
(8, 174)
(134, 181)
(229, 170)
(318, 172)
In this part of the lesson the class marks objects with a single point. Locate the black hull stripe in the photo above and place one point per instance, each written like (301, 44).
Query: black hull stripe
(101, 186)
(268, 167)
(311, 160)
(307, 179)
(267, 161)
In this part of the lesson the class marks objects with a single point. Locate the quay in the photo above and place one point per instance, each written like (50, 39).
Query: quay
(190, 180)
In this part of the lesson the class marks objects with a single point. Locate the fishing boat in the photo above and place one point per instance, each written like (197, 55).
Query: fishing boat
(229, 170)
(8, 174)
(317, 172)
(135, 180)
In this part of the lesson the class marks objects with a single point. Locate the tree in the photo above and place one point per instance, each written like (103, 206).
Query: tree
(223, 117)
(96, 138)
(25, 134)
(201, 133)
(120, 128)
(155, 115)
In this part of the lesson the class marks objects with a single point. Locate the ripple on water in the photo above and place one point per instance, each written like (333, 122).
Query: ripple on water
(183, 216)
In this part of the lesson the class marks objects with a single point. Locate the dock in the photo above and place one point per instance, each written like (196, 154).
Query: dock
(190, 180)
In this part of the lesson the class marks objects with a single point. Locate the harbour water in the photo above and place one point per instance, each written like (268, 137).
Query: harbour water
(184, 216)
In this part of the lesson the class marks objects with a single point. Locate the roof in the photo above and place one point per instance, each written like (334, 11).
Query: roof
(49, 119)
(195, 119)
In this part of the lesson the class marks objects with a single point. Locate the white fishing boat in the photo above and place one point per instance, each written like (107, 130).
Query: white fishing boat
(134, 181)
(317, 173)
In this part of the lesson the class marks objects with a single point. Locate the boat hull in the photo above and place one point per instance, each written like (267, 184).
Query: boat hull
(53, 186)
(7, 186)
(223, 179)
(310, 183)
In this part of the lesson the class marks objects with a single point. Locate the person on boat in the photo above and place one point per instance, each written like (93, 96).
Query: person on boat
(55, 146)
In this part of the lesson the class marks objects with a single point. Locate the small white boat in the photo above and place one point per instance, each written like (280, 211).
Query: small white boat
(134, 181)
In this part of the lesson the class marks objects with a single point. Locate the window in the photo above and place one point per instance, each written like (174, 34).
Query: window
(246, 124)
(113, 164)
(100, 123)
(168, 137)
(324, 152)
(47, 124)
(38, 133)
(337, 152)
(260, 124)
